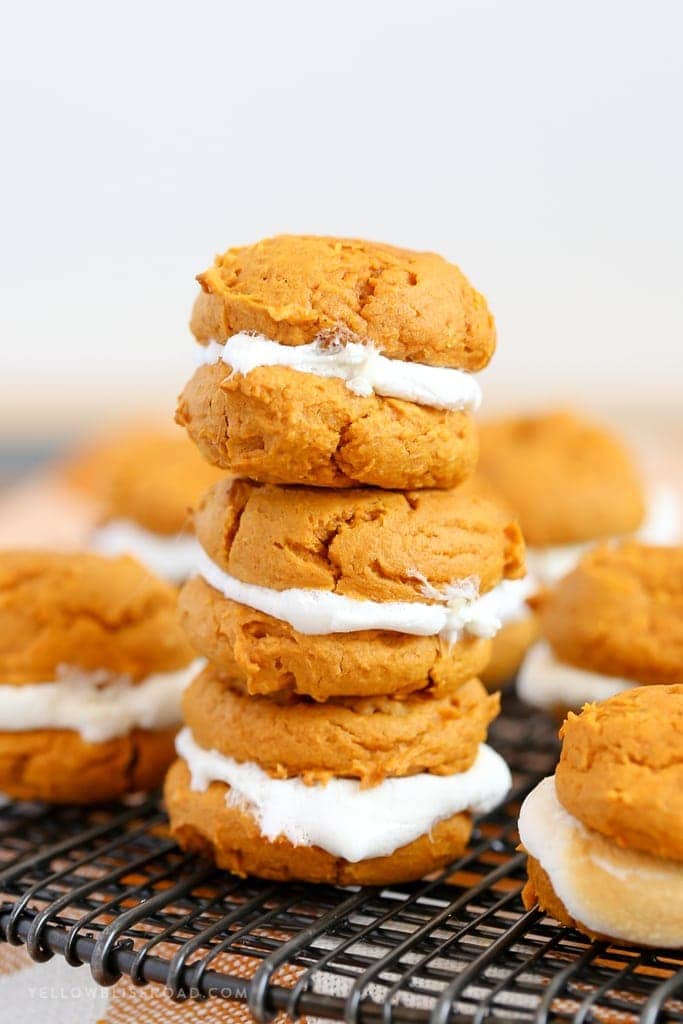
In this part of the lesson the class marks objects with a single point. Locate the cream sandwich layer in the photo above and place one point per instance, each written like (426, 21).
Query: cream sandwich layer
(96, 705)
(318, 612)
(512, 594)
(613, 891)
(173, 557)
(548, 565)
(341, 816)
(664, 521)
(547, 683)
(362, 367)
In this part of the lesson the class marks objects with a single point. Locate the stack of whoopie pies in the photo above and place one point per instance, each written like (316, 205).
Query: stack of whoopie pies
(352, 572)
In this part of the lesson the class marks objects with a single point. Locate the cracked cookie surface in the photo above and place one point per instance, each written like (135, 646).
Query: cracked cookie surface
(271, 656)
(365, 544)
(277, 425)
(58, 766)
(414, 305)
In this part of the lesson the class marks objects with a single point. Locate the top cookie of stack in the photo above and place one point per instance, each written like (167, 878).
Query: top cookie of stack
(337, 363)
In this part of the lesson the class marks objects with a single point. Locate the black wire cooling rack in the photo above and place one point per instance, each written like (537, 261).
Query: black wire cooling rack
(109, 888)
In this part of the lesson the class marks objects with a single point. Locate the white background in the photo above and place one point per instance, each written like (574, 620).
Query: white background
(538, 144)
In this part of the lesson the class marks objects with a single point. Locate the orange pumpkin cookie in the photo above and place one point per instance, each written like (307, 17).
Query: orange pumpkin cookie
(567, 479)
(278, 425)
(86, 611)
(366, 544)
(58, 766)
(364, 738)
(414, 305)
(365, 790)
(271, 656)
(147, 474)
(621, 769)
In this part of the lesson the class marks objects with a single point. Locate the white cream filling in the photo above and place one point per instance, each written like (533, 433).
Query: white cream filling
(361, 366)
(663, 521)
(548, 565)
(547, 683)
(512, 605)
(340, 816)
(618, 892)
(174, 558)
(96, 705)
(316, 612)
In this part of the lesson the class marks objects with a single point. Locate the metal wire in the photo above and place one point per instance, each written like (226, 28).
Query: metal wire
(108, 887)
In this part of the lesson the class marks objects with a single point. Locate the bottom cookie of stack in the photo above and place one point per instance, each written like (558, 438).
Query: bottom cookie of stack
(286, 810)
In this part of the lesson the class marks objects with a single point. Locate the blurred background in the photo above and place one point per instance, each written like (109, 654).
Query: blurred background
(538, 145)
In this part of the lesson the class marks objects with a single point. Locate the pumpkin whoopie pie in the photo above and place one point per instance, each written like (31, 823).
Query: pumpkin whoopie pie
(337, 363)
(604, 835)
(348, 592)
(614, 623)
(92, 666)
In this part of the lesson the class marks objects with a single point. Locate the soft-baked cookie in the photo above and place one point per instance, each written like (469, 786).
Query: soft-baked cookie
(92, 666)
(604, 834)
(365, 544)
(146, 478)
(415, 305)
(568, 480)
(348, 592)
(367, 738)
(337, 362)
(615, 622)
(621, 769)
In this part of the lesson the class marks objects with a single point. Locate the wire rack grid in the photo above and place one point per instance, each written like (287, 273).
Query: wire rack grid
(108, 887)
